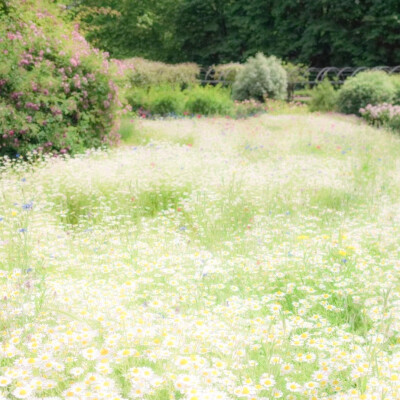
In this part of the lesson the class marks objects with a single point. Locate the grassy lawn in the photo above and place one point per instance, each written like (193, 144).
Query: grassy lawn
(206, 259)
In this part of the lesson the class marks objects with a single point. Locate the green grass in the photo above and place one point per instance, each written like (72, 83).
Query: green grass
(130, 133)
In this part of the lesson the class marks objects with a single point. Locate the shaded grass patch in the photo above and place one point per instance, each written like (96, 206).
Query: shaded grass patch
(334, 199)
(350, 313)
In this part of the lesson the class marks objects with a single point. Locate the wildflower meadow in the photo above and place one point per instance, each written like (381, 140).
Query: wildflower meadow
(207, 259)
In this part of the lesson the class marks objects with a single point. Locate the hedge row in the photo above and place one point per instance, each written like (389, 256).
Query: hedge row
(366, 88)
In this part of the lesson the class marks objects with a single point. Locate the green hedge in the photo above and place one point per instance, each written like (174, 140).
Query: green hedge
(147, 73)
(209, 100)
(228, 72)
(170, 100)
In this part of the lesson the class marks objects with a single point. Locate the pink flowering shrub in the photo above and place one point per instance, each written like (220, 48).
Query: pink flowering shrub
(56, 94)
(382, 115)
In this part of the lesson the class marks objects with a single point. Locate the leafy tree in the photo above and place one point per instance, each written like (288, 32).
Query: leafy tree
(127, 28)
(317, 33)
(203, 29)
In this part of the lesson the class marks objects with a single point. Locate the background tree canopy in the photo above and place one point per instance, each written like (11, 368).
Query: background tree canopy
(317, 33)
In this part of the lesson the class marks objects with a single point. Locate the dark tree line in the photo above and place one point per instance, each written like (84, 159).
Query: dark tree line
(313, 32)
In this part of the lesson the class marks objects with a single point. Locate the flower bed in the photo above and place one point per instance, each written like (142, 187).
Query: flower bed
(382, 115)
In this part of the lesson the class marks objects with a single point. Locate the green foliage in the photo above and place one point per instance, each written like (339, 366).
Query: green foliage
(317, 33)
(386, 115)
(323, 97)
(204, 31)
(261, 78)
(55, 90)
(396, 82)
(166, 100)
(296, 74)
(131, 133)
(4, 7)
(158, 100)
(228, 72)
(209, 100)
(371, 87)
(127, 29)
(147, 73)
(138, 98)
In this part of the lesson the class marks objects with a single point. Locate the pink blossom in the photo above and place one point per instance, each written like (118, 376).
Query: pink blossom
(74, 62)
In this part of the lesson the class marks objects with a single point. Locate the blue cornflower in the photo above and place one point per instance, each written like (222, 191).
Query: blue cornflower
(27, 206)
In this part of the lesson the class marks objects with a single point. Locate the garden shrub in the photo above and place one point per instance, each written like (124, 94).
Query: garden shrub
(167, 104)
(297, 74)
(323, 97)
(56, 94)
(209, 100)
(227, 72)
(157, 100)
(147, 73)
(138, 98)
(370, 87)
(166, 100)
(387, 115)
(396, 82)
(261, 78)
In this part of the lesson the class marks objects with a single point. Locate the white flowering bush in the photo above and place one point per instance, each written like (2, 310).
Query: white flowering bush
(262, 77)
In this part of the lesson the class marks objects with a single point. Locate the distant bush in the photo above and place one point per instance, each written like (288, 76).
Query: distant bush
(396, 82)
(323, 97)
(145, 73)
(387, 115)
(157, 100)
(261, 78)
(56, 95)
(370, 87)
(138, 98)
(209, 100)
(296, 74)
(227, 72)
(166, 100)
